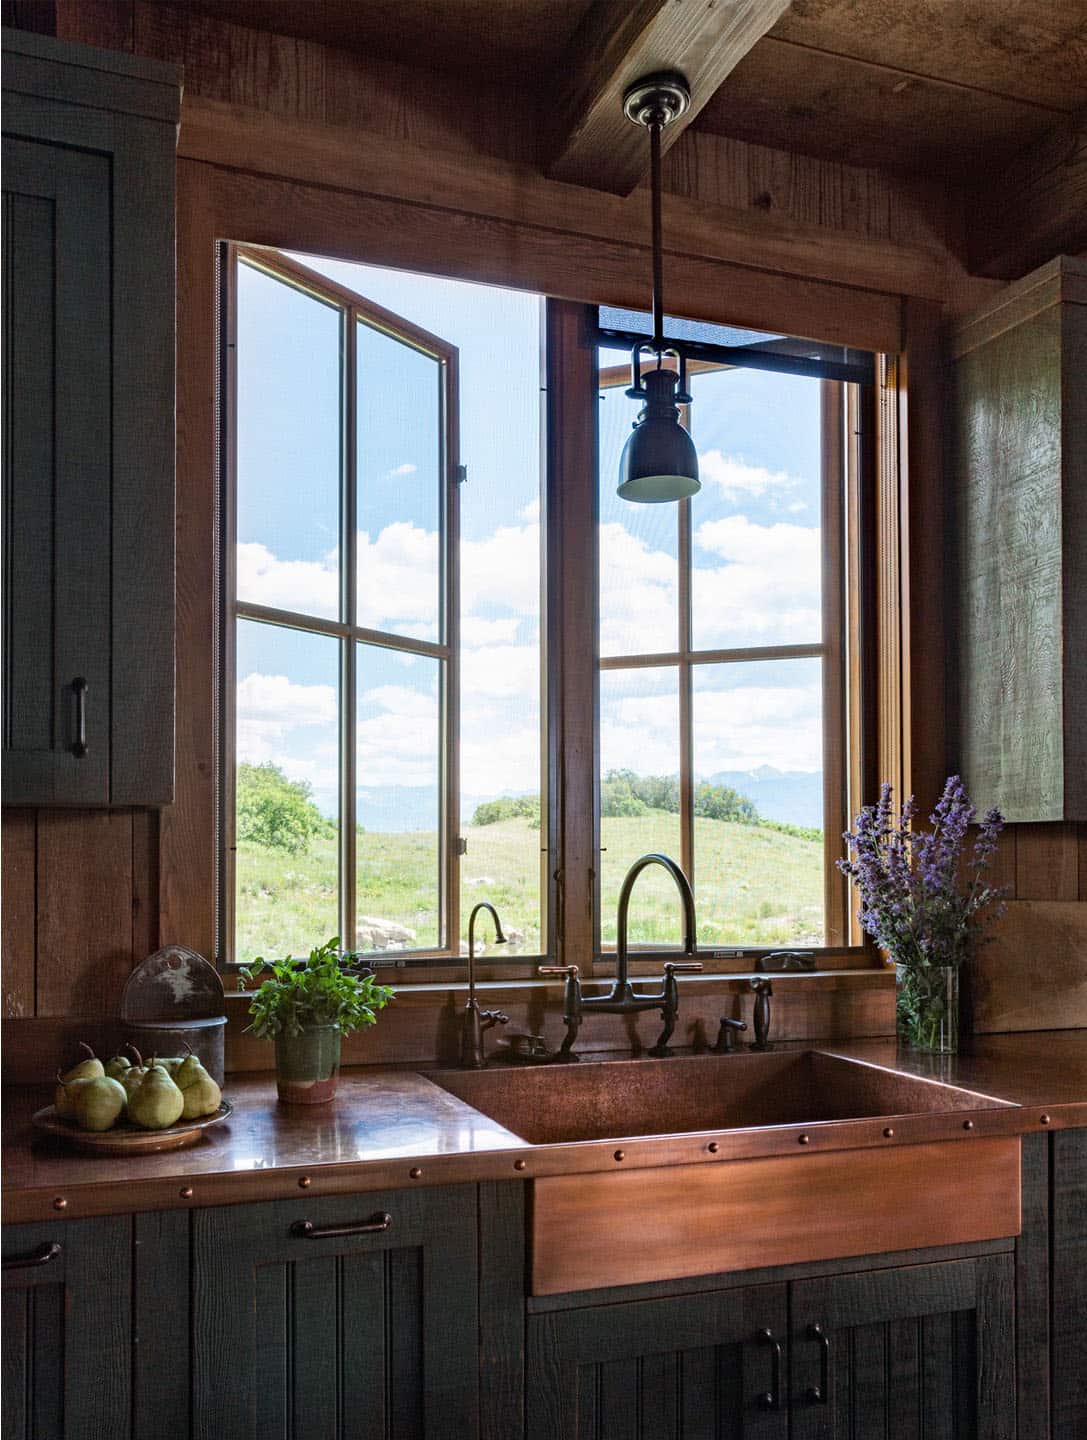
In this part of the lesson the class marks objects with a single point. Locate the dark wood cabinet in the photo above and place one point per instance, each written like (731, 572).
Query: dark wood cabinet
(353, 1316)
(67, 1319)
(88, 514)
(1068, 1271)
(920, 1350)
(684, 1367)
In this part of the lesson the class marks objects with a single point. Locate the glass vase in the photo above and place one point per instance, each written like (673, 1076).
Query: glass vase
(927, 1008)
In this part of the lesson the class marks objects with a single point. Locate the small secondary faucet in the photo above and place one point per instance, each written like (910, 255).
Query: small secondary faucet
(623, 999)
(476, 1021)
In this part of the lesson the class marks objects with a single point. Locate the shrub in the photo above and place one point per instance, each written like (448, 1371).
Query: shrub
(509, 807)
(275, 811)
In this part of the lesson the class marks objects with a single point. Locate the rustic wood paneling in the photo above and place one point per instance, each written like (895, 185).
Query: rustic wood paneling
(84, 911)
(1033, 974)
(19, 906)
(1047, 862)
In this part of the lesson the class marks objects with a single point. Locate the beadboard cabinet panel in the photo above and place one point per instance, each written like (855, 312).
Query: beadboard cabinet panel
(89, 141)
(1068, 1270)
(368, 1333)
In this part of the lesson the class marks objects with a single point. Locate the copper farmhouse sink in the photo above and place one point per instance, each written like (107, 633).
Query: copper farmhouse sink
(561, 1104)
(742, 1161)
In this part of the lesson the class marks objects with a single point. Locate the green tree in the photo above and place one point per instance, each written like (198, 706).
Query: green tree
(619, 797)
(509, 807)
(275, 811)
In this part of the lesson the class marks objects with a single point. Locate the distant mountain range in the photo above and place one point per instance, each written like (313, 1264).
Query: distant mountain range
(795, 796)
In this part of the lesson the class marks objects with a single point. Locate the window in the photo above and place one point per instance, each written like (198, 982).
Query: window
(722, 676)
(382, 713)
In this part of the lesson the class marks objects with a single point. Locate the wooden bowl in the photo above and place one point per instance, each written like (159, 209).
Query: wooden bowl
(126, 1139)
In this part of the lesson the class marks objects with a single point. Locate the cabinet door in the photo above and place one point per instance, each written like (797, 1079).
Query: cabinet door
(923, 1351)
(347, 1318)
(57, 466)
(67, 1319)
(1069, 1284)
(689, 1367)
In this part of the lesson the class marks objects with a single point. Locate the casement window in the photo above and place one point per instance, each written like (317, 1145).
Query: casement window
(728, 734)
(381, 704)
(398, 694)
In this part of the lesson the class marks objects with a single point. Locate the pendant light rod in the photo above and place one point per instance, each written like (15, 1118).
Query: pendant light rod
(655, 127)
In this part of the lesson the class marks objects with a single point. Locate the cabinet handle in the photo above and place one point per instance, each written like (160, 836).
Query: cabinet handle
(45, 1252)
(79, 745)
(307, 1230)
(817, 1394)
(771, 1399)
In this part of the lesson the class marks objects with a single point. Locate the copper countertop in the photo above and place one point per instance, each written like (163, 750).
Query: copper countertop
(390, 1128)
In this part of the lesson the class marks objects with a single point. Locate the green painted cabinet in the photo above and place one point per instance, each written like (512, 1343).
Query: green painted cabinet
(67, 1321)
(88, 468)
(345, 1318)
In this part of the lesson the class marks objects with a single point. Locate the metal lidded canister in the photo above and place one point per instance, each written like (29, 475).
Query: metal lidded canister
(175, 999)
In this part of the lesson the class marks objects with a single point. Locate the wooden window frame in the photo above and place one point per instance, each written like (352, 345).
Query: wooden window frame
(354, 310)
(845, 650)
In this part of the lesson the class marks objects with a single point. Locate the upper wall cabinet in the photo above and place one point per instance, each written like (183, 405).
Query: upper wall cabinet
(1020, 467)
(88, 516)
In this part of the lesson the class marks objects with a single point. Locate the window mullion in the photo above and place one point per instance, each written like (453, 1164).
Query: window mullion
(686, 742)
(349, 651)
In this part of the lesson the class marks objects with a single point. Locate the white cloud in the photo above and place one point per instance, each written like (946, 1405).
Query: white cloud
(767, 591)
(406, 469)
(637, 595)
(530, 513)
(736, 477)
(400, 744)
(500, 671)
(277, 719)
(309, 586)
(475, 630)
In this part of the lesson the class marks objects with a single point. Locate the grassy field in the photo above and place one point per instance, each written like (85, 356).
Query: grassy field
(753, 885)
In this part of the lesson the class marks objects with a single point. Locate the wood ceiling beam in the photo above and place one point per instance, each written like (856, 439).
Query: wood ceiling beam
(1034, 209)
(592, 141)
(342, 157)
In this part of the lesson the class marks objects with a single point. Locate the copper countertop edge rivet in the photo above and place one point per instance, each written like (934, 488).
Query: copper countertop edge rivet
(804, 1139)
(60, 1203)
(304, 1182)
(186, 1192)
(415, 1173)
(713, 1147)
(968, 1124)
(1044, 1119)
(519, 1164)
(620, 1154)
(888, 1132)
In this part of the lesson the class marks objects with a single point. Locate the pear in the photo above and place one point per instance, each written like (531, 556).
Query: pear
(89, 1069)
(116, 1067)
(156, 1102)
(96, 1104)
(132, 1078)
(201, 1093)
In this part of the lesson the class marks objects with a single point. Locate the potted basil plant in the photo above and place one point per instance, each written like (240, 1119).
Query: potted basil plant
(307, 1007)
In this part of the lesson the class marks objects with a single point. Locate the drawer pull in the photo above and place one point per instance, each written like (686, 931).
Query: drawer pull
(771, 1399)
(817, 1394)
(79, 744)
(307, 1230)
(45, 1252)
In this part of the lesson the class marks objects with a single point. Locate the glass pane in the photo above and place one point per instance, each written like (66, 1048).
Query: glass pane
(288, 447)
(399, 747)
(639, 799)
(758, 829)
(639, 590)
(399, 487)
(287, 725)
(755, 525)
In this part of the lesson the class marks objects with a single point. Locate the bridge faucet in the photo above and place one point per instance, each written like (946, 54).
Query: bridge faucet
(623, 999)
(472, 1054)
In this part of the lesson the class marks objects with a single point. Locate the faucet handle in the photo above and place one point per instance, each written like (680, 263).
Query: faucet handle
(570, 971)
(682, 967)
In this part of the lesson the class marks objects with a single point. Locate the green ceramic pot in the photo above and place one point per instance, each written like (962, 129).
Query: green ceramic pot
(308, 1065)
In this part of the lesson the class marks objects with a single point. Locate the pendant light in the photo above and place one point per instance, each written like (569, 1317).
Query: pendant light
(659, 461)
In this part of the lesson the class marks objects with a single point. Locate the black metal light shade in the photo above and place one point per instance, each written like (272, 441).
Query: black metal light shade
(659, 461)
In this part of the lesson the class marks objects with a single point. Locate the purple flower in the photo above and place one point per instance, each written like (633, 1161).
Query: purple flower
(913, 901)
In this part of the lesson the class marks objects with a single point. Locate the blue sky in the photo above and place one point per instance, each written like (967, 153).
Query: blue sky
(754, 528)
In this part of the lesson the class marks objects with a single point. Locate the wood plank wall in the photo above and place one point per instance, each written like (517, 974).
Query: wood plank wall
(82, 890)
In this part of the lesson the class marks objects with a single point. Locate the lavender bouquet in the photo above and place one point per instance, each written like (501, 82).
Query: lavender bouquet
(923, 904)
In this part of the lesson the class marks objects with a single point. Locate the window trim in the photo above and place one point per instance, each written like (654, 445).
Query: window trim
(354, 309)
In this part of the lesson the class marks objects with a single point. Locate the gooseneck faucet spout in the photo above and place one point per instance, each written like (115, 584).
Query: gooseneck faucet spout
(623, 999)
(476, 1021)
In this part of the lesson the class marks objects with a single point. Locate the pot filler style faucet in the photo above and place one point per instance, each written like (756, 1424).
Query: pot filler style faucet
(476, 1021)
(622, 999)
